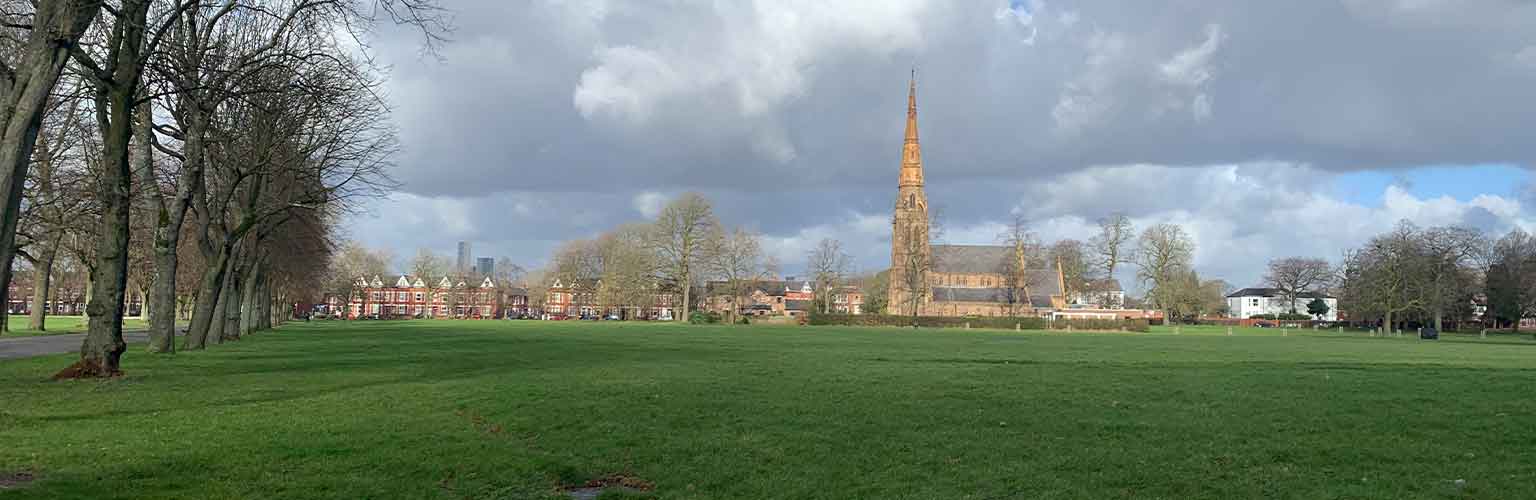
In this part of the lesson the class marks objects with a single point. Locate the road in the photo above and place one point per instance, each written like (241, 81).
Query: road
(25, 347)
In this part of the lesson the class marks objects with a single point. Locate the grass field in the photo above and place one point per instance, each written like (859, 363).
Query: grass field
(484, 410)
(59, 325)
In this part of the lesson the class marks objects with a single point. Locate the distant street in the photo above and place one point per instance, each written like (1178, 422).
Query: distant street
(26, 347)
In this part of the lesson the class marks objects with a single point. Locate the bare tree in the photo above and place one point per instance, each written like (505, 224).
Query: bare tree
(1385, 278)
(737, 259)
(114, 70)
(509, 272)
(428, 265)
(353, 262)
(1076, 272)
(53, 201)
(1016, 266)
(114, 61)
(1112, 246)
(680, 239)
(1511, 281)
(628, 270)
(1297, 276)
(1165, 256)
(537, 284)
(1450, 253)
(828, 265)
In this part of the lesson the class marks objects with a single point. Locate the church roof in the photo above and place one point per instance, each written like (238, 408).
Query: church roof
(985, 259)
(969, 259)
(993, 295)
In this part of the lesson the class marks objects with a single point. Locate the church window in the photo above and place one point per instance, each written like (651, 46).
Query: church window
(911, 201)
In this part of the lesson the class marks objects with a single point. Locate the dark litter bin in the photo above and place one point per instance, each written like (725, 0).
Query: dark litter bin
(1429, 334)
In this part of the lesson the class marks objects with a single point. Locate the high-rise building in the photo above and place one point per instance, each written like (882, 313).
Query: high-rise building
(461, 266)
(485, 266)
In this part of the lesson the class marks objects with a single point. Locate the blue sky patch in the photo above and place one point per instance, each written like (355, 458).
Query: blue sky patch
(1462, 182)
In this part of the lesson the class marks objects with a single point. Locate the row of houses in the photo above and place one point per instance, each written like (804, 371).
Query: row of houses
(413, 297)
(787, 297)
(64, 300)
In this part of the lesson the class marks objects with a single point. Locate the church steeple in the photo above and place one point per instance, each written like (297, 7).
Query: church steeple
(911, 152)
(911, 254)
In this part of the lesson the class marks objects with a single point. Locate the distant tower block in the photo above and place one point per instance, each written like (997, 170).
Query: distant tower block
(462, 265)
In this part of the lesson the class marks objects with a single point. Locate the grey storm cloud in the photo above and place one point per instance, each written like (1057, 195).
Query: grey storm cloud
(788, 113)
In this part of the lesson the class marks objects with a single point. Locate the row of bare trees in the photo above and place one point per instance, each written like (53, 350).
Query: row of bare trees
(625, 269)
(1430, 274)
(231, 131)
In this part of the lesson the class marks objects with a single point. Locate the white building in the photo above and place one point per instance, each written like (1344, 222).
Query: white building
(1250, 302)
(1106, 295)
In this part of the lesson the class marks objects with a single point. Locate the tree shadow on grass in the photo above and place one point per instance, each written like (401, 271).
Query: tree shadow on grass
(269, 397)
(383, 369)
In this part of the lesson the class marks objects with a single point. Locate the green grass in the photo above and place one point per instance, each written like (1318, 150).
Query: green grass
(59, 325)
(511, 409)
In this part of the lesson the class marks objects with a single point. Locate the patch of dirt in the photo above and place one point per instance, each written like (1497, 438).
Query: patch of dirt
(85, 369)
(9, 480)
(594, 488)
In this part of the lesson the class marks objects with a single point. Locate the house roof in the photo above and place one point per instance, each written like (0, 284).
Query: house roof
(1105, 285)
(772, 288)
(797, 305)
(1275, 292)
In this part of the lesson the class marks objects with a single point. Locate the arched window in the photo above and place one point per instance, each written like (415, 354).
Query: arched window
(912, 201)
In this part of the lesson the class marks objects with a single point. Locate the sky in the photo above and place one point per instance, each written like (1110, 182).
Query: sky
(1266, 129)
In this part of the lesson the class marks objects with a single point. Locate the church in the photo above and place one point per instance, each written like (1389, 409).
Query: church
(957, 280)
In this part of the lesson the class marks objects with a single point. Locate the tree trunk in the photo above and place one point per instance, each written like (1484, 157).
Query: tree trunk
(103, 347)
(219, 319)
(1439, 320)
(172, 217)
(686, 296)
(42, 282)
(162, 301)
(232, 302)
(264, 306)
(248, 303)
(217, 316)
(207, 299)
(5, 306)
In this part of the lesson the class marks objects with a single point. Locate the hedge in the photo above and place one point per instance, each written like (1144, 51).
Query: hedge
(993, 322)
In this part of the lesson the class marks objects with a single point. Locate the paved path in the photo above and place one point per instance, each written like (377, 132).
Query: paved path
(24, 347)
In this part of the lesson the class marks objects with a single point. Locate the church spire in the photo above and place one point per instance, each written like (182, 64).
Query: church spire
(911, 152)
